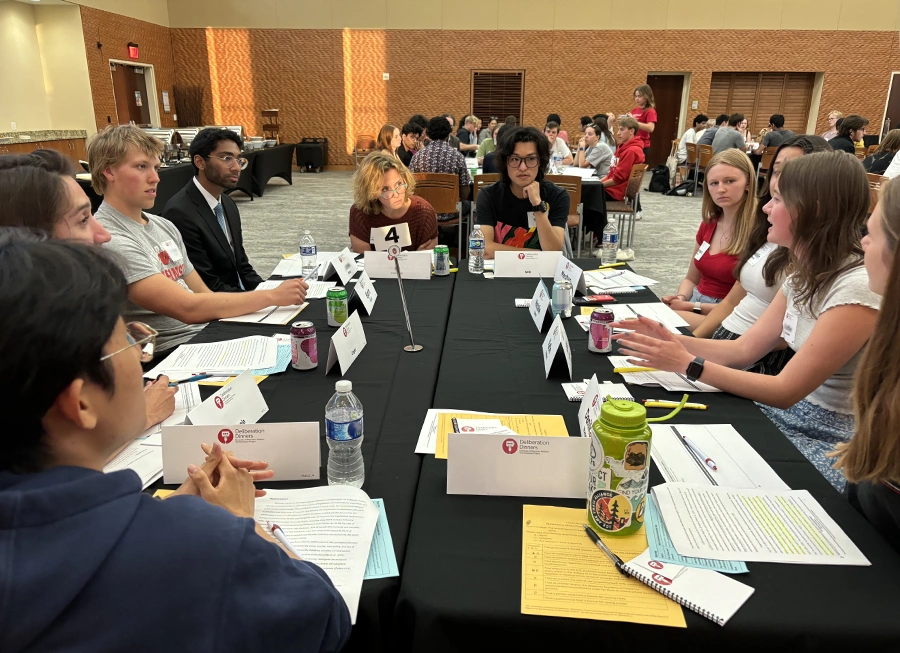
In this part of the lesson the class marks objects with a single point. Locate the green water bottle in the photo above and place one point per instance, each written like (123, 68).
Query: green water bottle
(620, 466)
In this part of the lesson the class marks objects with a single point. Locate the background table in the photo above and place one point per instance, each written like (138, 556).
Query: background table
(461, 584)
(171, 180)
(396, 389)
(272, 162)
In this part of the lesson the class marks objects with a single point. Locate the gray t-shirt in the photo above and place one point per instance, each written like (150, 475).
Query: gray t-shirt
(600, 157)
(726, 138)
(708, 136)
(851, 287)
(154, 248)
(776, 137)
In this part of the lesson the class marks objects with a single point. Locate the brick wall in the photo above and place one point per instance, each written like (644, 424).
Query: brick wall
(312, 75)
(114, 32)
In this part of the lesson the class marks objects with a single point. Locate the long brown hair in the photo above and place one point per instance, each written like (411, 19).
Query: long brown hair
(32, 191)
(827, 194)
(601, 126)
(647, 92)
(874, 452)
(385, 136)
(777, 263)
(743, 219)
(890, 144)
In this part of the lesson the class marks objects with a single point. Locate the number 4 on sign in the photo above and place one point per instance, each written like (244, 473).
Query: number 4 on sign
(394, 234)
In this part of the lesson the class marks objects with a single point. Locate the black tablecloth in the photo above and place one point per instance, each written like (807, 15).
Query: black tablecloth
(312, 153)
(395, 388)
(461, 585)
(245, 181)
(272, 162)
(171, 180)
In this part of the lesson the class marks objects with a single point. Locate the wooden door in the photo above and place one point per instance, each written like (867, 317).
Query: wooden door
(667, 90)
(893, 106)
(126, 84)
(760, 95)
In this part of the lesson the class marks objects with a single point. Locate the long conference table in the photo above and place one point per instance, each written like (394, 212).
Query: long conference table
(460, 556)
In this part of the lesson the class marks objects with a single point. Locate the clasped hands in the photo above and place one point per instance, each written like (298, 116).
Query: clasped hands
(652, 345)
(677, 303)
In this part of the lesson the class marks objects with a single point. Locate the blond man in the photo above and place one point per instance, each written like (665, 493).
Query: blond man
(164, 290)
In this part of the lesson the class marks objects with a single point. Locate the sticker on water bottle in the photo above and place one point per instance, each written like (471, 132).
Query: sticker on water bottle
(611, 511)
(343, 431)
(308, 250)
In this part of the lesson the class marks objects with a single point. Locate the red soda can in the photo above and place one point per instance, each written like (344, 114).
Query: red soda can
(600, 335)
(304, 355)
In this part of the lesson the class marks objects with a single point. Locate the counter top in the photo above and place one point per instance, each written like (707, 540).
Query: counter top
(41, 135)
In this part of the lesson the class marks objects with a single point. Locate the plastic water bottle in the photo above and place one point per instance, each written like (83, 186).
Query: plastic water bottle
(476, 250)
(610, 244)
(308, 252)
(344, 432)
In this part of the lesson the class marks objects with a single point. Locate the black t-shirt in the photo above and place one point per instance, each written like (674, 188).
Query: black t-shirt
(404, 155)
(842, 143)
(497, 207)
(877, 164)
(880, 504)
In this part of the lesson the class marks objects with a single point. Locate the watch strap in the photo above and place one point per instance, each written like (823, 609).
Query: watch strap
(695, 369)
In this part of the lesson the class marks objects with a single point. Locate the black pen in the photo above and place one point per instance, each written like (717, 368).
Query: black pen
(616, 560)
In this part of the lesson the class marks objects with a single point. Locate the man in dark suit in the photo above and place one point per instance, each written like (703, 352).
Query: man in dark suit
(208, 219)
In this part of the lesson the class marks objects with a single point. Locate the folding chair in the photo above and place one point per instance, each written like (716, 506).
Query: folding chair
(572, 185)
(704, 154)
(690, 162)
(765, 161)
(871, 149)
(875, 182)
(364, 144)
(625, 209)
(442, 192)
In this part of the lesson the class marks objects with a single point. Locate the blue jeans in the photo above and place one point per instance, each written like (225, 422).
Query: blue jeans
(697, 296)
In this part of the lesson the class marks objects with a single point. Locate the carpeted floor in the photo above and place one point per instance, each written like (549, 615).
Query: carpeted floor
(273, 224)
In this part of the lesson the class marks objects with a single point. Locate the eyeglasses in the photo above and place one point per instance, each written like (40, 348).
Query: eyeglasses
(138, 335)
(516, 161)
(228, 160)
(399, 189)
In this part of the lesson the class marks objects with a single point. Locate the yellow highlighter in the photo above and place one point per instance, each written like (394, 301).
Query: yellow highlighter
(626, 370)
(659, 403)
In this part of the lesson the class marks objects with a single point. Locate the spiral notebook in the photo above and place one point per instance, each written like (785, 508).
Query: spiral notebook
(708, 593)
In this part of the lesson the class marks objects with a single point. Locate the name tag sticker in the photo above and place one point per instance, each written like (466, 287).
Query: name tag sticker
(172, 250)
(532, 223)
(789, 327)
(701, 251)
(760, 253)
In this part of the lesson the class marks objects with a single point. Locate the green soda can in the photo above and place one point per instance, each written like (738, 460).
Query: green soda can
(619, 468)
(336, 301)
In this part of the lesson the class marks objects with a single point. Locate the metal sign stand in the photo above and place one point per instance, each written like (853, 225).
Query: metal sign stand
(394, 251)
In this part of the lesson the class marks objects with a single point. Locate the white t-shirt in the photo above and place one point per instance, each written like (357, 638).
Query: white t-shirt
(560, 149)
(851, 287)
(690, 136)
(758, 296)
(893, 169)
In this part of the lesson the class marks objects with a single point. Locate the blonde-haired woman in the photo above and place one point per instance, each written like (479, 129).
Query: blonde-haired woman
(871, 460)
(644, 112)
(833, 117)
(729, 205)
(383, 195)
(389, 140)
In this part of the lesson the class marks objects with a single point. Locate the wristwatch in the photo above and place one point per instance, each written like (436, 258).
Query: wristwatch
(543, 207)
(695, 369)
(698, 308)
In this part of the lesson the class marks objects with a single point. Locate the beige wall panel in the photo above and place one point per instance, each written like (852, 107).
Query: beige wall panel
(24, 99)
(687, 14)
(152, 11)
(811, 14)
(866, 14)
(414, 14)
(651, 14)
(761, 14)
(470, 14)
(359, 14)
(525, 14)
(582, 14)
(303, 14)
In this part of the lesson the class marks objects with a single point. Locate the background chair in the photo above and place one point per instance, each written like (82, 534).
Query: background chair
(625, 209)
(871, 149)
(572, 185)
(365, 143)
(704, 154)
(875, 182)
(442, 192)
(690, 162)
(480, 181)
(765, 161)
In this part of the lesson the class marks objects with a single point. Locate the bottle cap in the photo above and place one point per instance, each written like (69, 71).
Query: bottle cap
(477, 226)
(343, 386)
(622, 413)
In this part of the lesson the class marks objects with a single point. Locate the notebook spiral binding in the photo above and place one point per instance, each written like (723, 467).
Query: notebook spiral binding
(652, 584)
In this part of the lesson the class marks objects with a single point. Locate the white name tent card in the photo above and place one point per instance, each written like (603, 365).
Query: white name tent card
(365, 291)
(392, 234)
(346, 344)
(413, 265)
(292, 447)
(555, 338)
(589, 410)
(525, 263)
(344, 264)
(567, 270)
(239, 402)
(517, 465)
(540, 302)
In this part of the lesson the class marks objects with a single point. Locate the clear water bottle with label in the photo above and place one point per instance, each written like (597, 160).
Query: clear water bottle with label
(476, 250)
(344, 433)
(610, 244)
(308, 252)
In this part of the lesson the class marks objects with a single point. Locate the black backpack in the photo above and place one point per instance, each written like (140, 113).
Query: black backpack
(659, 180)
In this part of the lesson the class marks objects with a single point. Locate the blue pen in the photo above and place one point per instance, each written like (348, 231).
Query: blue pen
(198, 377)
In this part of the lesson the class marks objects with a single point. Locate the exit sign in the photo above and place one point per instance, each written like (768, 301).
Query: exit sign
(133, 51)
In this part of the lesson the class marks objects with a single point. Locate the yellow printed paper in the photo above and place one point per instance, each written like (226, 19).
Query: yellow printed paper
(587, 310)
(258, 379)
(162, 494)
(546, 425)
(564, 574)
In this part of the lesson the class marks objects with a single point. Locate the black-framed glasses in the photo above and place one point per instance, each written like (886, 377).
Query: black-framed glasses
(399, 189)
(229, 160)
(516, 161)
(138, 335)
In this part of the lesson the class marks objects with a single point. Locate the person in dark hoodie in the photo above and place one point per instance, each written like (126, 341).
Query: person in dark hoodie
(88, 562)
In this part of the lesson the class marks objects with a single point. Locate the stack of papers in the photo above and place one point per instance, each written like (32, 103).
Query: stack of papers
(439, 423)
(270, 314)
(584, 173)
(227, 358)
(654, 310)
(668, 380)
(292, 266)
(575, 391)
(282, 361)
(609, 281)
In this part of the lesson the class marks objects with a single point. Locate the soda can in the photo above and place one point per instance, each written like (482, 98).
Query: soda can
(599, 334)
(561, 298)
(336, 301)
(441, 261)
(304, 352)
